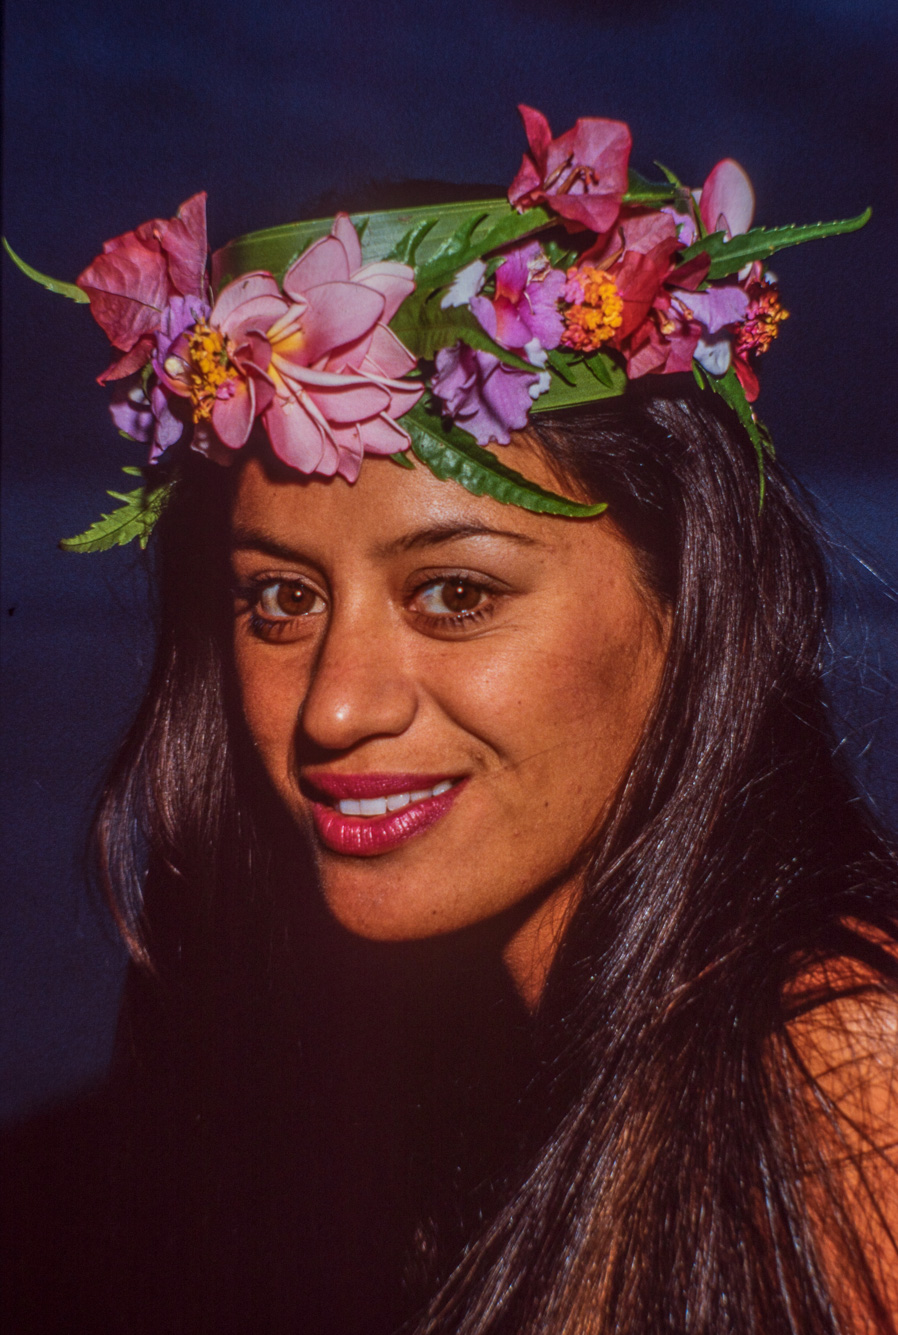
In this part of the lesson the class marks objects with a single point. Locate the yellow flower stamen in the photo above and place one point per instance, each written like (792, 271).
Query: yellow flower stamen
(598, 315)
(762, 325)
(210, 368)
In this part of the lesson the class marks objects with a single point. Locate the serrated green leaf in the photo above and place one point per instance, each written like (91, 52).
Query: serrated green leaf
(70, 290)
(470, 242)
(728, 257)
(585, 380)
(401, 458)
(729, 388)
(641, 191)
(456, 244)
(133, 519)
(560, 256)
(605, 371)
(424, 327)
(406, 248)
(559, 364)
(451, 454)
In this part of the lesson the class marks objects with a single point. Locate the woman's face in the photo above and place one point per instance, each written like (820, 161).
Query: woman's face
(445, 691)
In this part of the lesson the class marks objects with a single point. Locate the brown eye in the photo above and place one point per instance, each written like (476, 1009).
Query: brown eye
(285, 599)
(460, 596)
(449, 597)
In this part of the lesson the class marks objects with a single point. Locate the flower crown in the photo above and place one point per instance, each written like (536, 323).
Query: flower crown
(423, 334)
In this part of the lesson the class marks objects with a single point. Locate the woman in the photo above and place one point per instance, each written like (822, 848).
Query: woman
(584, 733)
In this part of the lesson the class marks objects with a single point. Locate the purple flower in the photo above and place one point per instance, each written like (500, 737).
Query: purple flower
(144, 412)
(525, 304)
(482, 394)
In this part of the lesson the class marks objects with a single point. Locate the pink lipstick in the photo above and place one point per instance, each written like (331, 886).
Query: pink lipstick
(370, 814)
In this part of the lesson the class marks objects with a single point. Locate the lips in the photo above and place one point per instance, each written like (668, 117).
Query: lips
(370, 814)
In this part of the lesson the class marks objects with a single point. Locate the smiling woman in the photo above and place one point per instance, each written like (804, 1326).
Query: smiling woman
(596, 1033)
(393, 644)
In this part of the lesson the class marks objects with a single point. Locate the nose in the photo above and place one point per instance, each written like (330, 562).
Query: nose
(361, 686)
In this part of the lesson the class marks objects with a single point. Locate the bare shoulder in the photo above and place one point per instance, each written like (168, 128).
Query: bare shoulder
(844, 1040)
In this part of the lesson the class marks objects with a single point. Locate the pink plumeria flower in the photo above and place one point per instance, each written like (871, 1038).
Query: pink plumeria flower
(315, 361)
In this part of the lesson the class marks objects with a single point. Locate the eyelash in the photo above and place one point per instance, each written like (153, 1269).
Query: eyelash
(268, 628)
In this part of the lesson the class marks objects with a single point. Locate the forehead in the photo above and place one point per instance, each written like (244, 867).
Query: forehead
(389, 506)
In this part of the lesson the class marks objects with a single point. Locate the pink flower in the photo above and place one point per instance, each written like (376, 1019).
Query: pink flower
(726, 203)
(139, 273)
(482, 394)
(317, 362)
(581, 176)
(525, 304)
(727, 200)
(616, 285)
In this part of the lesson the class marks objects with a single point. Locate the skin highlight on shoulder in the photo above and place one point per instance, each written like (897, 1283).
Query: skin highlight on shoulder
(845, 1049)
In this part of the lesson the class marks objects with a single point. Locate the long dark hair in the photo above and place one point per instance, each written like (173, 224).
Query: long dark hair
(662, 1182)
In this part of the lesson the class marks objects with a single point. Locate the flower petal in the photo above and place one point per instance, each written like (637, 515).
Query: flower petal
(393, 281)
(350, 403)
(381, 435)
(539, 135)
(727, 201)
(348, 237)
(338, 313)
(233, 415)
(128, 289)
(246, 288)
(325, 261)
(295, 437)
(183, 239)
(386, 355)
(132, 361)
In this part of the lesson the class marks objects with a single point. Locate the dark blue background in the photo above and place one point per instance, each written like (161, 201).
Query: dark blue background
(116, 113)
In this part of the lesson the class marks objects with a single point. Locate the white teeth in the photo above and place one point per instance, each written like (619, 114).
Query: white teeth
(379, 806)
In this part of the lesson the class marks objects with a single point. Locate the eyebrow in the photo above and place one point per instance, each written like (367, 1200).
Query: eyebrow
(258, 540)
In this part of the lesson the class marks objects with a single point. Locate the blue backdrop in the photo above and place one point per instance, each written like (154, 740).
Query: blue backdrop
(116, 113)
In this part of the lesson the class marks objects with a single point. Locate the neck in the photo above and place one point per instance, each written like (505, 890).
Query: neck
(531, 948)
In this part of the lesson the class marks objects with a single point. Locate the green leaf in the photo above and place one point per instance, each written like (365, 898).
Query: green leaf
(424, 327)
(451, 453)
(133, 519)
(760, 243)
(582, 380)
(730, 390)
(69, 290)
(559, 364)
(641, 191)
(406, 248)
(560, 256)
(401, 458)
(471, 241)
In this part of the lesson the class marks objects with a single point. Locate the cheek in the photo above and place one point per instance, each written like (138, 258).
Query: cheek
(272, 688)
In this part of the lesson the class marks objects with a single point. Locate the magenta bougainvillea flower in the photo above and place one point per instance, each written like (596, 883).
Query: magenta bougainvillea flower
(315, 361)
(525, 304)
(581, 175)
(139, 273)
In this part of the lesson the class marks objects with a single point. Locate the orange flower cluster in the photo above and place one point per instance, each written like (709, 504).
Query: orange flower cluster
(596, 309)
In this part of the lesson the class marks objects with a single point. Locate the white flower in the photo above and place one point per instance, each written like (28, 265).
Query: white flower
(714, 354)
(467, 283)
